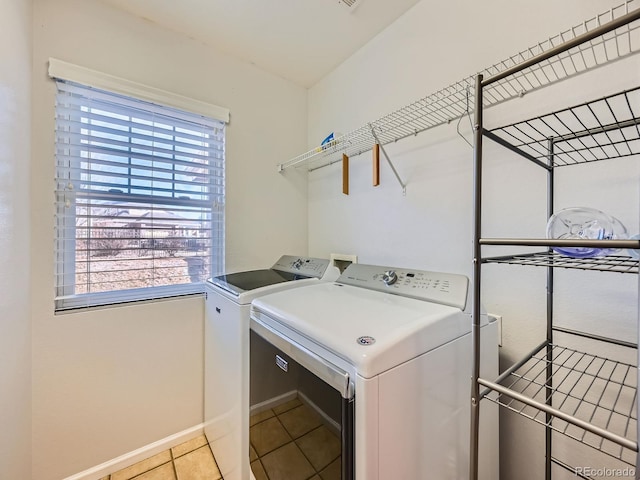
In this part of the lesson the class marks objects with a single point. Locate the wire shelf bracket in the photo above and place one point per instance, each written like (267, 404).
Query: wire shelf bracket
(384, 152)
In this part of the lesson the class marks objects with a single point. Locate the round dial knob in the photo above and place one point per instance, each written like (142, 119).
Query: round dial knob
(297, 264)
(389, 277)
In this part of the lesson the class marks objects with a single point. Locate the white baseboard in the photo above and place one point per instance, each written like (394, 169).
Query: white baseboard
(273, 402)
(328, 421)
(135, 456)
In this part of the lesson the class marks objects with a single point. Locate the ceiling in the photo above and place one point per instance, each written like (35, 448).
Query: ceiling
(299, 40)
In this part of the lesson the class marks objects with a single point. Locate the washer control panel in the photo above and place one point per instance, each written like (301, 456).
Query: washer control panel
(444, 288)
(307, 266)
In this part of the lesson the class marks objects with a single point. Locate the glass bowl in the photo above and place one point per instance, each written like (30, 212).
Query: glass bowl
(583, 223)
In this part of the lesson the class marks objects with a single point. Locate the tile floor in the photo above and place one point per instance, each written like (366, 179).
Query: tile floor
(191, 460)
(290, 442)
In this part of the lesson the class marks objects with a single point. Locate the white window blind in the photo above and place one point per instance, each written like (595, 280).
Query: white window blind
(140, 199)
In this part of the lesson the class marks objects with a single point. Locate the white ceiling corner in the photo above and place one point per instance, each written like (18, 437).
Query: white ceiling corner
(299, 40)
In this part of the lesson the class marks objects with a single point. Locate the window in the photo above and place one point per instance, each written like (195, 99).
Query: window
(139, 196)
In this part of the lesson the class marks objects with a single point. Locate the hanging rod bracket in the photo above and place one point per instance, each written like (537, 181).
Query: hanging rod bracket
(384, 152)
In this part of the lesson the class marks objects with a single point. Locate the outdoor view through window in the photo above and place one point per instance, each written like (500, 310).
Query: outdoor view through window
(140, 198)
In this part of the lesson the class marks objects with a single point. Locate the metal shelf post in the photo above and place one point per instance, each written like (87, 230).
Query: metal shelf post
(477, 266)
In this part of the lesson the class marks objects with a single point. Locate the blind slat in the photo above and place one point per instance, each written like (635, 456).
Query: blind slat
(180, 121)
(87, 122)
(155, 187)
(140, 199)
(136, 160)
(124, 148)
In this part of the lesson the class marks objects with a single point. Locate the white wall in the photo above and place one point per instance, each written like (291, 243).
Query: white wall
(106, 382)
(15, 235)
(432, 46)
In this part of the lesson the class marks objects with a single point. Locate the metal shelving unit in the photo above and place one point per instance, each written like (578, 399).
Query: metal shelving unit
(582, 395)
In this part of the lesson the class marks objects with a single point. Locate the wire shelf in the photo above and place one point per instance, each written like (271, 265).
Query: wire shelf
(611, 263)
(598, 130)
(457, 100)
(439, 108)
(590, 394)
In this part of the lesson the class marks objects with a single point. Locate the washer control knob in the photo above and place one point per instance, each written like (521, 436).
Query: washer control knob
(297, 264)
(389, 277)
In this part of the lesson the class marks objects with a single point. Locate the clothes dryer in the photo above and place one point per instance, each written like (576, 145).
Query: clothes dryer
(391, 348)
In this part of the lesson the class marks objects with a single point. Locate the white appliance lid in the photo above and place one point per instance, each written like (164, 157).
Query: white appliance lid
(240, 282)
(245, 286)
(373, 331)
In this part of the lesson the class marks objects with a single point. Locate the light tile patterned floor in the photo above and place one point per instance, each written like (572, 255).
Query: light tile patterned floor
(290, 442)
(191, 460)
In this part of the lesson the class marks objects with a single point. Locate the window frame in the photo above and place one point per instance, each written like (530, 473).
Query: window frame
(65, 257)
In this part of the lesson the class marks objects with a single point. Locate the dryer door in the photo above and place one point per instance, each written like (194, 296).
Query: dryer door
(281, 369)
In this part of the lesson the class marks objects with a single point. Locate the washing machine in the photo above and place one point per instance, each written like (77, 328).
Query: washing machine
(226, 367)
(384, 355)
